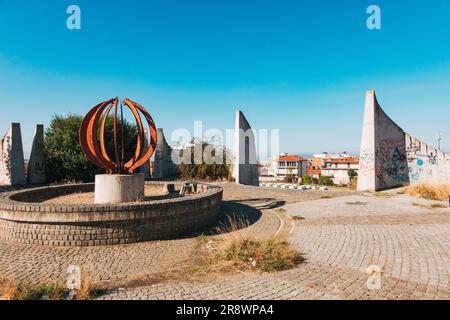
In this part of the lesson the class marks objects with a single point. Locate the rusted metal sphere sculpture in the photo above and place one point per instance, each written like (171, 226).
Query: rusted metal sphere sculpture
(92, 137)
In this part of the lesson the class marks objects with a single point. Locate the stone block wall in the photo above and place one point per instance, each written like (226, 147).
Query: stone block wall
(33, 222)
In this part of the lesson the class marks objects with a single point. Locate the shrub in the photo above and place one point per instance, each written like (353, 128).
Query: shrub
(65, 160)
(307, 179)
(352, 174)
(430, 191)
(326, 181)
(268, 256)
(233, 250)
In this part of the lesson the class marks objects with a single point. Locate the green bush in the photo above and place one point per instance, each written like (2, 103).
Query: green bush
(352, 174)
(307, 179)
(65, 160)
(326, 181)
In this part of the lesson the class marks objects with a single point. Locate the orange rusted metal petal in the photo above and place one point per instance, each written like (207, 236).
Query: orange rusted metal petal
(96, 152)
(152, 143)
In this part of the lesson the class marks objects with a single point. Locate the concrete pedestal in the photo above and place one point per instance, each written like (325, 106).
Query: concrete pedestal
(118, 188)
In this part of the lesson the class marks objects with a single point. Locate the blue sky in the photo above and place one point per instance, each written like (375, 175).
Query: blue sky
(300, 66)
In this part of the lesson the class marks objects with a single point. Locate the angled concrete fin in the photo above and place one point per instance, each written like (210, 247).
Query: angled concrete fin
(12, 164)
(36, 163)
(392, 158)
(245, 170)
(164, 168)
(145, 168)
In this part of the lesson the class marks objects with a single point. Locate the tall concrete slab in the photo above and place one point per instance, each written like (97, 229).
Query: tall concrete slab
(145, 168)
(36, 163)
(12, 164)
(245, 169)
(164, 168)
(426, 164)
(391, 158)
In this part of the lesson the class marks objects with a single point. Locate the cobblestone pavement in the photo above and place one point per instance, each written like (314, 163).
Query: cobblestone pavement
(340, 237)
(122, 263)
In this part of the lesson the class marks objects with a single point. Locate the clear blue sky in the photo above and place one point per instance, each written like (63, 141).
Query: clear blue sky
(301, 66)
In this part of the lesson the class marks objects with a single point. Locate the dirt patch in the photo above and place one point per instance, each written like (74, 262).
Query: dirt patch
(151, 194)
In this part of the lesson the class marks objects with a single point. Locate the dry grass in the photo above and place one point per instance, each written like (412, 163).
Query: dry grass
(383, 194)
(11, 290)
(233, 224)
(236, 251)
(357, 203)
(433, 206)
(430, 191)
(268, 256)
(438, 206)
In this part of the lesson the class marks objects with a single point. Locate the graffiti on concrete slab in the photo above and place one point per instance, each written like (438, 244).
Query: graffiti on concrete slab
(392, 162)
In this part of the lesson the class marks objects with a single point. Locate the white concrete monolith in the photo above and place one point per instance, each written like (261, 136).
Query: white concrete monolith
(164, 168)
(12, 164)
(245, 170)
(36, 164)
(119, 188)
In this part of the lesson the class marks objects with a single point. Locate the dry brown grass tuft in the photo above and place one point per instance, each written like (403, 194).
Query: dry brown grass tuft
(268, 256)
(87, 290)
(236, 251)
(433, 206)
(8, 289)
(233, 223)
(430, 191)
(11, 290)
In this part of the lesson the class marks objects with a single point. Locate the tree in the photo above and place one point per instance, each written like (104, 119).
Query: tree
(204, 171)
(66, 161)
(351, 174)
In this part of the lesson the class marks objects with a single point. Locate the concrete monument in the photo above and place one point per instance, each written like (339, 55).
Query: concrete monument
(164, 168)
(12, 164)
(245, 170)
(145, 169)
(391, 158)
(36, 163)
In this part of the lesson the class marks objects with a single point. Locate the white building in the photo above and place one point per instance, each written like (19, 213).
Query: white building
(338, 168)
(288, 164)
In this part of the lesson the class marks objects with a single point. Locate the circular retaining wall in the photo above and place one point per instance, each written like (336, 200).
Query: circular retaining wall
(24, 218)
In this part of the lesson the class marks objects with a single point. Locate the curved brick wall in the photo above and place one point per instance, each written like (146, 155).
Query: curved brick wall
(24, 218)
